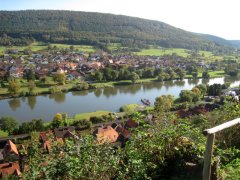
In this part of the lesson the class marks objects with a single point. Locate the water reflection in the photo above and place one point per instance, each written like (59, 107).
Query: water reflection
(149, 86)
(80, 93)
(32, 100)
(14, 104)
(110, 91)
(132, 89)
(23, 99)
(168, 84)
(234, 80)
(205, 81)
(98, 92)
(58, 97)
(193, 81)
(179, 83)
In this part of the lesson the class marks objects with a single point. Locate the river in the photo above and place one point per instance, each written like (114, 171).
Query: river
(111, 99)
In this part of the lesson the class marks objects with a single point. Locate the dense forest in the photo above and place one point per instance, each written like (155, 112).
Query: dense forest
(22, 27)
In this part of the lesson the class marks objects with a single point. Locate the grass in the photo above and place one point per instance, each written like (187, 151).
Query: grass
(129, 108)
(87, 116)
(122, 82)
(214, 74)
(162, 51)
(90, 114)
(78, 47)
(38, 46)
(3, 133)
(115, 46)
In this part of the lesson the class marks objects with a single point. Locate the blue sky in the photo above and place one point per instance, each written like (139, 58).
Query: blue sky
(216, 17)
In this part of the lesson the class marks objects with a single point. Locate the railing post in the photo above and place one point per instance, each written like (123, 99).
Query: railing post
(208, 157)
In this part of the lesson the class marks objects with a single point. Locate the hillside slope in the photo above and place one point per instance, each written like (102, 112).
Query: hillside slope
(222, 41)
(98, 29)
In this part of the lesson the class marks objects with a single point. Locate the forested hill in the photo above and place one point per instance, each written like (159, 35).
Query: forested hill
(97, 29)
(221, 41)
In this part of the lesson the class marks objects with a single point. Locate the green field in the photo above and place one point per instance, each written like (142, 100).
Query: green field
(90, 114)
(214, 74)
(34, 47)
(38, 46)
(202, 55)
(162, 51)
(87, 116)
(3, 133)
(83, 48)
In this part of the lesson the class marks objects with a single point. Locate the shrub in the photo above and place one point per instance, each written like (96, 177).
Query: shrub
(54, 89)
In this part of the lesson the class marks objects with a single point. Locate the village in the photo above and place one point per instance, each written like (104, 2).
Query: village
(16, 63)
(13, 156)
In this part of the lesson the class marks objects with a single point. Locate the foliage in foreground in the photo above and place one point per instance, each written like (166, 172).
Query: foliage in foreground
(150, 153)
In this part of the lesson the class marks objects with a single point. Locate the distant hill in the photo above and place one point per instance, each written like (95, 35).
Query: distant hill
(222, 41)
(236, 43)
(98, 29)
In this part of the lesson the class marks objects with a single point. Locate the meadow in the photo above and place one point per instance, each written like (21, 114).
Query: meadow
(38, 46)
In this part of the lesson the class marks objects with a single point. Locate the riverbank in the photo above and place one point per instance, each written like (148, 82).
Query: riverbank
(70, 86)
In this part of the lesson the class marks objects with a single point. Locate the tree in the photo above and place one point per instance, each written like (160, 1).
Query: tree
(163, 103)
(197, 94)
(30, 75)
(57, 121)
(205, 75)
(195, 74)
(202, 88)
(114, 75)
(98, 76)
(181, 73)
(186, 96)
(8, 124)
(171, 73)
(71, 47)
(214, 90)
(134, 77)
(148, 73)
(34, 125)
(31, 86)
(161, 77)
(13, 87)
(60, 78)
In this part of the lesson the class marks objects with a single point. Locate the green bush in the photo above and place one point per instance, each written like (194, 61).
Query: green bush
(54, 89)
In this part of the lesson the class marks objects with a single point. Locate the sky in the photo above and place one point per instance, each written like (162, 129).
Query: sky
(216, 17)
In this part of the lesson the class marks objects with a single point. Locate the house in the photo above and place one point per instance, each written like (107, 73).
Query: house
(10, 151)
(16, 72)
(106, 135)
(66, 132)
(44, 139)
(95, 65)
(131, 124)
(8, 169)
(75, 74)
(123, 132)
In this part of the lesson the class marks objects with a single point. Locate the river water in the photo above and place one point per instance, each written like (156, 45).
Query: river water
(111, 99)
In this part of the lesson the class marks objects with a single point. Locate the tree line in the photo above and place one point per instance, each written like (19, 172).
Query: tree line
(98, 29)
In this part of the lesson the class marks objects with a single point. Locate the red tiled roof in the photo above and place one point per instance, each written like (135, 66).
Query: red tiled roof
(64, 132)
(7, 169)
(11, 147)
(123, 131)
(107, 134)
(47, 145)
(131, 123)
